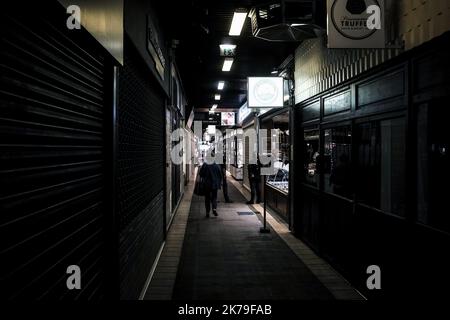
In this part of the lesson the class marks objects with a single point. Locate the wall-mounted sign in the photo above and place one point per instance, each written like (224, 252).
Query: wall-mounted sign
(265, 92)
(155, 49)
(227, 50)
(243, 113)
(228, 119)
(356, 24)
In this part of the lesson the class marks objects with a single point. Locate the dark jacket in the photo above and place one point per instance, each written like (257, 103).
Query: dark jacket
(254, 172)
(212, 176)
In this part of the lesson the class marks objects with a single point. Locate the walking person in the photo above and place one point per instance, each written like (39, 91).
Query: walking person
(254, 176)
(211, 175)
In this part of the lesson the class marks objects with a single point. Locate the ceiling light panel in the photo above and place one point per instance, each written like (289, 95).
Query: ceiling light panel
(237, 23)
(227, 63)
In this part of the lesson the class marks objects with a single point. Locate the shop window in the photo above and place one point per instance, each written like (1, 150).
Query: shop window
(311, 112)
(381, 165)
(280, 179)
(433, 171)
(312, 158)
(232, 154)
(337, 169)
(338, 103)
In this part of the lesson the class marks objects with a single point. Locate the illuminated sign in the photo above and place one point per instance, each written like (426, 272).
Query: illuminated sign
(228, 119)
(265, 92)
(244, 112)
(227, 50)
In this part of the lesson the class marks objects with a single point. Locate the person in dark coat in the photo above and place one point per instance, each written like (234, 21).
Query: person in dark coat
(212, 178)
(254, 177)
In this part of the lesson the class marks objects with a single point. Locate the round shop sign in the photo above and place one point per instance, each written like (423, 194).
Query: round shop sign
(350, 17)
(266, 92)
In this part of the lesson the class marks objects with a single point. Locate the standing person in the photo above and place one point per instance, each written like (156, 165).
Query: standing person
(254, 176)
(212, 179)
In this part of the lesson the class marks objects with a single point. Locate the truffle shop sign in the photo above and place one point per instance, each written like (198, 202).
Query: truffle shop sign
(356, 24)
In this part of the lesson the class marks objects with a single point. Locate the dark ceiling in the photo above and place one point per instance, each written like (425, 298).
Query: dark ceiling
(201, 26)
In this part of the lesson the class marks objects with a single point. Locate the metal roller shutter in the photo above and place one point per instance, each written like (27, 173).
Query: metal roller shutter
(51, 157)
(141, 171)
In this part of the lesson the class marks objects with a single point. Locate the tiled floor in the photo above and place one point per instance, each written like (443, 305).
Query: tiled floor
(226, 257)
(163, 278)
(329, 277)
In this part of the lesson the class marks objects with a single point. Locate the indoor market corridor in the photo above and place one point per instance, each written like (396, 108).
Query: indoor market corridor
(226, 257)
(332, 112)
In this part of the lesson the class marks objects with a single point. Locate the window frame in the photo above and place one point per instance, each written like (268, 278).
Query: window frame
(355, 162)
(352, 164)
(305, 130)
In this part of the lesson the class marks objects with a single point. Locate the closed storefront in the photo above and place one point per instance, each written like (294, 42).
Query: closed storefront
(371, 149)
(55, 201)
(140, 172)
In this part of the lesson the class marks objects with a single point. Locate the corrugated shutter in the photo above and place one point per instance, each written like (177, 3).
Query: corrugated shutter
(51, 156)
(141, 171)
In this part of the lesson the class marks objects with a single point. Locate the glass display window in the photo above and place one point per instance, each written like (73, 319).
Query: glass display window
(337, 170)
(433, 170)
(311, 149)
(381, 159)
(281, 160)
(239, 153)
(279, 180)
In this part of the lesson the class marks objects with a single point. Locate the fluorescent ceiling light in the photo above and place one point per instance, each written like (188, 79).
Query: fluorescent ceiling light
(274, 72)
(217, 97)
(237, 23)
(221, 85)
(214, 106)
(227, 63)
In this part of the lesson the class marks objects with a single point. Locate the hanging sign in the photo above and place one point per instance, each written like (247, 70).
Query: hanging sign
(356, 24)
(243, 113)
(265, 92)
